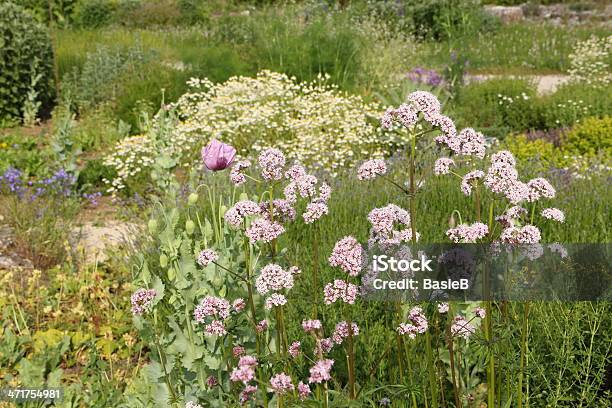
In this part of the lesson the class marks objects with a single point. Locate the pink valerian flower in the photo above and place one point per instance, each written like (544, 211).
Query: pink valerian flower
(539, 187)
(238, 305)
(532, 251)
(559, 249)
(448, 129)
(191, 404)
(294, 349)
(372, 169)
(212, 381)
(324, 193)
(469, 179)
(320, 372)
(306, 185)
(142, 301)
(271, 162)
(264, 230)
(311, 325)
(553, 214)
(247, 393)
(528, 234)
(218, 156)
(324, 346)
(461, 327)
(515, 212)
(342, 331)
(281, 384)
(384, 218)
(275, 300)
(469, 143)
(468, 233)
(290, 192)
(443, 308)
(296, 171)
(279, 210)
(207, 256)
(387, 118)
(425, 103)
(237, 351)
(480, 312)
(261, 326)
(294, 270)
(442, 166)
(273, 278)
(348, 256)
(235, 215)
(211, 306)
(314, 211)
(503, 156)
(215, 328)
(407, 115)
(247, 361)
(418, 323)
(516, 191)
(500, 176)
(303, 391)
(340, 289)
(236, 174)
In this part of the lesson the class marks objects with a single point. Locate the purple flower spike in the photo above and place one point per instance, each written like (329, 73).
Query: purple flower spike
(217, 155)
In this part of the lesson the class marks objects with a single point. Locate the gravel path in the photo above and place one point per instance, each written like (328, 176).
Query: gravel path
(545, 83)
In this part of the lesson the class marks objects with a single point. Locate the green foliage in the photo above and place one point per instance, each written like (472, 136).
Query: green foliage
(24, 153)
(591, 137)
(61, 11)
(498, 105)
(25, 53)
(574, 102)
(94, 13)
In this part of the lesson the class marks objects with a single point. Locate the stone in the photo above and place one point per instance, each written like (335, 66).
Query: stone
(507, 14)
(92, 244)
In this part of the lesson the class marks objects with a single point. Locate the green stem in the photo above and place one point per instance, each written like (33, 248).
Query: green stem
(523, 351)
(431, 367)
(412, 189)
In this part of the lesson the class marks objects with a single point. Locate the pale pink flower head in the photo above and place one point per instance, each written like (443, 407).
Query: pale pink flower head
(296, 171)
(275, 300)
(261, 326)
(211, 306)
(314, 211)
(339, 289)
(273, 278)
(528, 234)
(465, 233)
(281, 384)
(342, 331)
(324, 346)
(539, 187)
(448, 129)
(264, 230)
(272, 162)
(407, 115)
(553, 214)
(294, 349)
(238, 305)
(461, 327)
(212, 381)
(191, 404)
(480, 312)
(247, 361)
(236, 174)
(371, 169)
(320, 372)
(469, 180)
(443, 165)
(247, 393)
(426, 103)
(142, 301)
(237, 351)
(215, 328)
(303, 391)
(470, 143)
(311, 325)
(207, 256)
(348, 255)
(443, 308)
(217, 155)
(387, 119)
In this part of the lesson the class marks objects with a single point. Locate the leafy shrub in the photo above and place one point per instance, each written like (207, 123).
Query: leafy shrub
(591, 137)
(94, 13)
(22, 152)
(590, 61)
(445, 19)
(26, 62)
(93, 174)
(61, 11)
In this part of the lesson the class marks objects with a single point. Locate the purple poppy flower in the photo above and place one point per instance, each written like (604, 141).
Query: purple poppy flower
(217, 155)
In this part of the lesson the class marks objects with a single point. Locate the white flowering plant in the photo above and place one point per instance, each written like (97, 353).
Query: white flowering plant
(590, 61)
